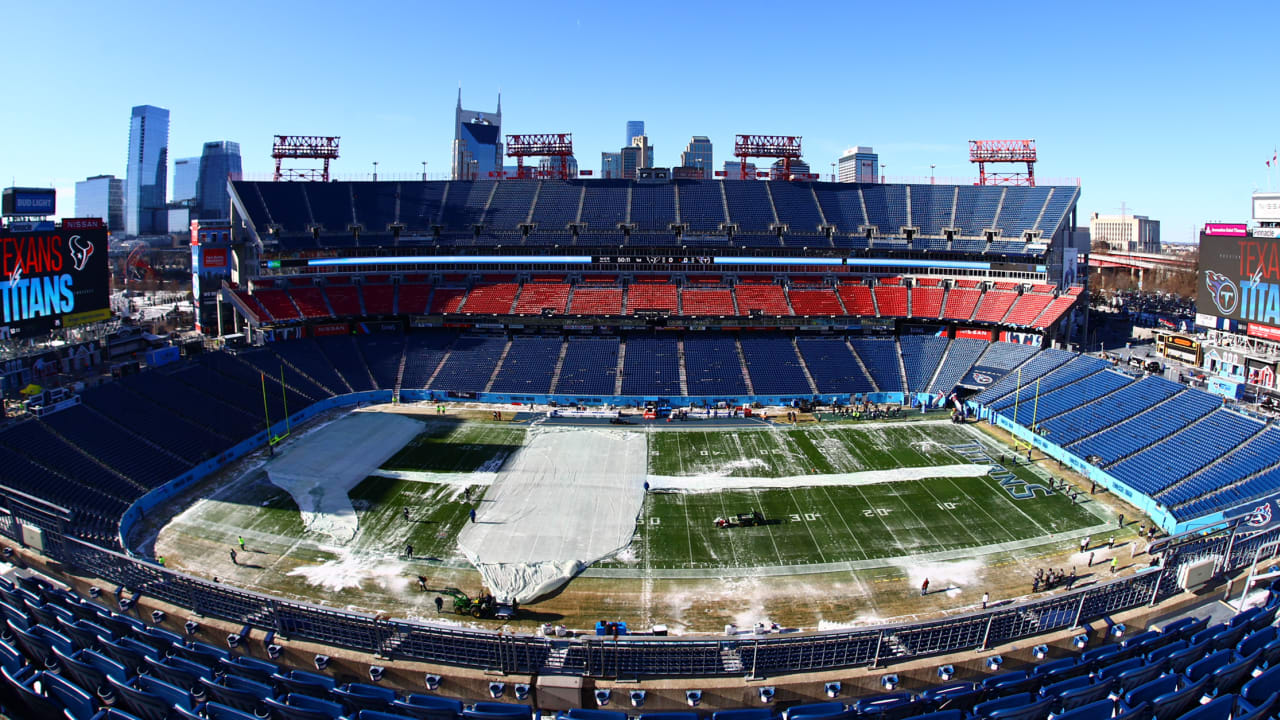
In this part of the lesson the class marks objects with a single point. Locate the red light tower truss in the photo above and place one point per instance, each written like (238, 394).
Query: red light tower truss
(304, 147)
(1004, 151)
(558, 145)
(786, 147)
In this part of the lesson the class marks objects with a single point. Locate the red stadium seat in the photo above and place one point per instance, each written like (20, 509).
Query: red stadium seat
(491, 299)
(815, 302)
(596, 301)
(960, 303)
(650, 296)
(707, 301)
(857, 300)
(768, 299)
(892, 300)
(536, 297)
(994, 305)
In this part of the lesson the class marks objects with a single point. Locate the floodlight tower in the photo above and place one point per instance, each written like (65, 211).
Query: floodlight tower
(558, 145)
(1004, 151)
(304, 147)
(786, 147)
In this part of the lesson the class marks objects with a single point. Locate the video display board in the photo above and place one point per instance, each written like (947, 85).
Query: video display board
(1240, 280)
(52, 279)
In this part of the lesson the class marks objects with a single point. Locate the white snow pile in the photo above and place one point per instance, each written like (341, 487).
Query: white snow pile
(351, 571)
(566, 499)
(717, 481)
(322, 467)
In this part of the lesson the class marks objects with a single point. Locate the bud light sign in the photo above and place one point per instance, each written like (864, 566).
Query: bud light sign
(52, 279)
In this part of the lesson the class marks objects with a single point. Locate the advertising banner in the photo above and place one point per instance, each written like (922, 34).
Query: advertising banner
(1240, 280)
(53, 279)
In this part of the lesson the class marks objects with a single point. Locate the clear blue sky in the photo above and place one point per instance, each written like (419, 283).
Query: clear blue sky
(1167, 107)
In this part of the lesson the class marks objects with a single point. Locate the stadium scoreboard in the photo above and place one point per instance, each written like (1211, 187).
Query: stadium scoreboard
(54, 278)
(1240, 281)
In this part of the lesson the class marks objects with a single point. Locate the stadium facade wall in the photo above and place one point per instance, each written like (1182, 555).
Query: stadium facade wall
(175, 486)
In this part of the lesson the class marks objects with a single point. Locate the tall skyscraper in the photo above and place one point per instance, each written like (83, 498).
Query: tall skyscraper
(186, 175)
(698, 154)
(637, 155)
(219, 161)
(477, 142)
(635, 128)
(610, 165)
(147, 172)
(102, 196)
(858, 164)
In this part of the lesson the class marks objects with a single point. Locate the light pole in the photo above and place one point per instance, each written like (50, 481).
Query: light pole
(833, 172)
(375, 171)
(931, 167)
(882, 178)
(424, 171)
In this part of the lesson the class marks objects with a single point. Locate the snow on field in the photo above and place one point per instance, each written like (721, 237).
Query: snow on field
(567, 498)
(350, 570)
(713, 483)
(321, 468)
(950, 577)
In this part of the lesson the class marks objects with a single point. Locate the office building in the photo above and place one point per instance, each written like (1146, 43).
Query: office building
(733, 170)
(799, 168)
(635, 128)
(638, 155)
(550, 166)
(147, 172)
(698, 154)
(610, 165)
(102, 196)
(858, 164)
(219, 161)
(186, 175)
(477, 143)
(1126, 233)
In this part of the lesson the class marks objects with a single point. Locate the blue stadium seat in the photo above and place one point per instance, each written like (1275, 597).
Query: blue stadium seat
(428, 707)
(303, 707)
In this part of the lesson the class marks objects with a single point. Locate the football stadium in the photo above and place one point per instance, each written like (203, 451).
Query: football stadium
(489, 448)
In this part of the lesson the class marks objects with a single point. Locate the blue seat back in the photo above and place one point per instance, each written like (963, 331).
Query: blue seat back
(1083, 696)
(144, 704)
(1218, 708)
(237, 692)
(428, 707)
(821, 709)
(1172, 705)
(1208, 664)
(303, 707)
(1151, 690)
(494, 711)
(1256, 640)
(1262, 687)
(1032, 711)
(358, 696)
(1096, 710)
(591, 714)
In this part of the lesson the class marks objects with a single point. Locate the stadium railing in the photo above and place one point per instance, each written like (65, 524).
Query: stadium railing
(629, 656)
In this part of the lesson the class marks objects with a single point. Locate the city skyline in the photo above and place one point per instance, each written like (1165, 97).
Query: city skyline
(1072, 90)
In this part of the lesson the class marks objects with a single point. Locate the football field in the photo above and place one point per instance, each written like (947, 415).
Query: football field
(892, 518)
(834, 498)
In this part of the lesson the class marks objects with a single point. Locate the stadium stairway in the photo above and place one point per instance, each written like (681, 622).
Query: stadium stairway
(742, 362)
(804, 367)
(497, 367)
(862, 366)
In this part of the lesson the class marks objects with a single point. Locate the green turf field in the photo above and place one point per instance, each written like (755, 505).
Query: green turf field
(810, 525)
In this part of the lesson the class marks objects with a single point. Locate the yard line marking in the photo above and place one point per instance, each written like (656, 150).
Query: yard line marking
(887, 530)
(817, 545)
(1009, 501)
(965, 526)
(776, 551)
(854, 536)
(983, 507)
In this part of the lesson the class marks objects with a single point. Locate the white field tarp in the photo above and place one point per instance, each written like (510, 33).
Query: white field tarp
(320, 468)
(566, 499)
